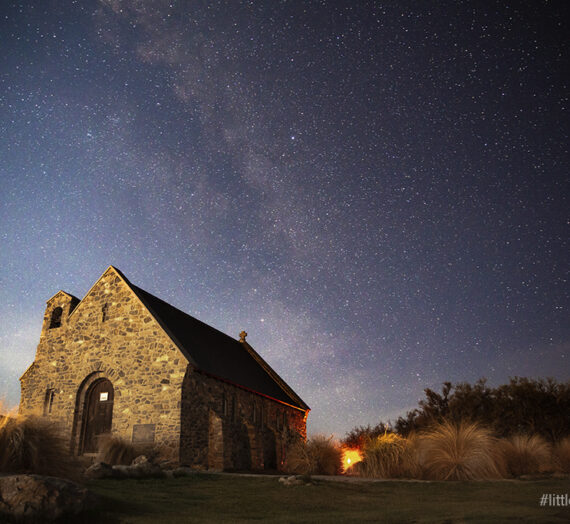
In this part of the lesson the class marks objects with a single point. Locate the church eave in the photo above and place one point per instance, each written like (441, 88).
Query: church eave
(245, 388)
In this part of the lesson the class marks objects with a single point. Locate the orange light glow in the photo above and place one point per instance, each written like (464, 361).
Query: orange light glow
(349, 458)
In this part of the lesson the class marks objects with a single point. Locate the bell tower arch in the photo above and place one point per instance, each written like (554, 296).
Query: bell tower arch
(58, 309)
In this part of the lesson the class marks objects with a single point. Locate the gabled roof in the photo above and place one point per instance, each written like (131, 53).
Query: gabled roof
(217, 354)
(61, 292)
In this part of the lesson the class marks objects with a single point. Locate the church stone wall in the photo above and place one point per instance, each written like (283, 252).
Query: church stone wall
(253, 431)
(110, 334)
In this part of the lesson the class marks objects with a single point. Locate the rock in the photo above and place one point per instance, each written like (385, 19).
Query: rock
(122, 472)
(38, 498)
(99, 470)
(291, 481)
(140, 468)
(144, 468)
(141, 459)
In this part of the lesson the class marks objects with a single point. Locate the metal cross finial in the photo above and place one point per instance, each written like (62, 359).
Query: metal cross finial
(242, 336)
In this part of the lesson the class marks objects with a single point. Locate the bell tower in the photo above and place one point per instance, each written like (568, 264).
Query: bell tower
(58, 309)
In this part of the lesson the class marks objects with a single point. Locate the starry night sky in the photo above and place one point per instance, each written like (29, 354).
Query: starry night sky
(377, 192)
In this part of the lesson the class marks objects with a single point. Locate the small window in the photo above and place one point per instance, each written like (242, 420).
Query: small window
(224, 405)
(48, 400)
(254, 418)
(234, 409)
(55, 321)
(104, 312)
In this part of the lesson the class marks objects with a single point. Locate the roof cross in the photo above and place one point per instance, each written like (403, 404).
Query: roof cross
(242, 336)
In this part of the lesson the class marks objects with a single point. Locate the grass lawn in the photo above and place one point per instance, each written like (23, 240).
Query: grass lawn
(224, 498)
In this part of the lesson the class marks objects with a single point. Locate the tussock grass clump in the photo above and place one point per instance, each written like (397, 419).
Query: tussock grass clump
(318, 456)
(388, 456)
(526, 454)
(561, 455)
(463, 451)
(34, 445)
(116, 451)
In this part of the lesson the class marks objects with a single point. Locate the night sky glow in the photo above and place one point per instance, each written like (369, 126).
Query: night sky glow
(377, 192)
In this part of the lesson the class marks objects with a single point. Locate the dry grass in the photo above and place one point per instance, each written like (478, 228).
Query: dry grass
(115, 451)
(526, 454)
(388, 456)
(33, 445)
(318, 456)
(463, 451)
(561, 455)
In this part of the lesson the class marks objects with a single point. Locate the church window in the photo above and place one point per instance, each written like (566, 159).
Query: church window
(104, 312)
(48, 400)
(55, 321)
(224, 405)
(234, 409)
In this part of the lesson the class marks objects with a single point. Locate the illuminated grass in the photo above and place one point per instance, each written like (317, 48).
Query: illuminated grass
(561, 455)
(388, 456)
(464, 451)
(115, 450)
(33, 445)
(526, 454)
(318, 456)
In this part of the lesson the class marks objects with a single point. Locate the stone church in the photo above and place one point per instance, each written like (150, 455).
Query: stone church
(124, 362)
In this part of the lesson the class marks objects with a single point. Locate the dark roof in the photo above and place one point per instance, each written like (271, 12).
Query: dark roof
(216, 353)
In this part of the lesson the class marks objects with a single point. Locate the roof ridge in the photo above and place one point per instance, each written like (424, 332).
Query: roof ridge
(184, 313)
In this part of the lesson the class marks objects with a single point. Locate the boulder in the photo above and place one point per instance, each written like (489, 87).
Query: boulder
(39, 498)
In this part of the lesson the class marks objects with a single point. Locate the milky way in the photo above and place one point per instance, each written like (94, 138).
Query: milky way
(376, 192)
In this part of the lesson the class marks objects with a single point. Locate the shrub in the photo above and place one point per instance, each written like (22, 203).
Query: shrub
(526, 454)
(34, 445)
(318, 456)
(462, 451)
(521, 406)
(388, 456)
(116, 450)
(561, 455)
(358, 436)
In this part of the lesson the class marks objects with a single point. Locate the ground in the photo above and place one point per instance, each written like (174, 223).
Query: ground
(228, 498)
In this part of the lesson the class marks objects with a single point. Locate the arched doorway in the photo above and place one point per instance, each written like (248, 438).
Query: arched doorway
(97, 414)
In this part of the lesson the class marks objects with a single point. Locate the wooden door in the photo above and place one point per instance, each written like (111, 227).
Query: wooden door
(98, 414)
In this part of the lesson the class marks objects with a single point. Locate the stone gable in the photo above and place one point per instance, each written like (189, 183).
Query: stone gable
(110, 333)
